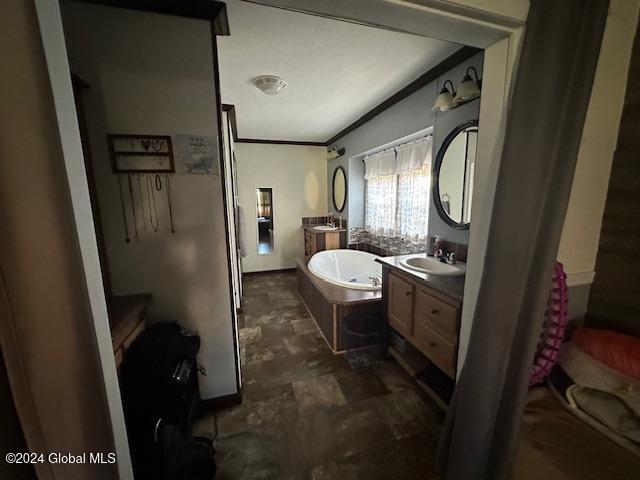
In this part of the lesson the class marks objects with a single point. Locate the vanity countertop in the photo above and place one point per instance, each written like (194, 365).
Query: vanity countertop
(451, 286)
(310, 228)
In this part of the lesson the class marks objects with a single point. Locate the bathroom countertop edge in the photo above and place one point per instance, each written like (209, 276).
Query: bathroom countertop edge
(450, 286)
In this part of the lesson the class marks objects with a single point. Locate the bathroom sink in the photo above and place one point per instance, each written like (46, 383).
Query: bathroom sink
(325, 228)
(430, 265)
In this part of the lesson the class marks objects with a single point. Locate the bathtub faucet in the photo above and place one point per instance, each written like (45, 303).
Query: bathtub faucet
(375, 281)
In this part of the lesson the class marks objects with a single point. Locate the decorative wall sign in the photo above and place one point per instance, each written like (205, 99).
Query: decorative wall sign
(141, 153)
(197, 154)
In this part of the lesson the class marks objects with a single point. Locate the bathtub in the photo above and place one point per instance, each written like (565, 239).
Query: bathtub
(347, 268)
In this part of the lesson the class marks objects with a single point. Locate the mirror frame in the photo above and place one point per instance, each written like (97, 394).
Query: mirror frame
(333, 188)
(435, 183)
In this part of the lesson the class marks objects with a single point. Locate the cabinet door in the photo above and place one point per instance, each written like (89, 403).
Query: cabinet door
(438, 349)
(400, 305)
(307, 243)
(438, 315)
(332, 240)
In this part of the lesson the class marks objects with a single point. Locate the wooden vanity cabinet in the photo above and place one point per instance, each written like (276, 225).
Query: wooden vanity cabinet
(317, 241)
(429, 320)
(400, 305)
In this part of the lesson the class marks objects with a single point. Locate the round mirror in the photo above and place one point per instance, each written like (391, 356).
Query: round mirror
(453, 175)
(339, 188)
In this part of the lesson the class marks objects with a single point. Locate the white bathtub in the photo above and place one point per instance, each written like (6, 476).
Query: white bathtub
(347, 268)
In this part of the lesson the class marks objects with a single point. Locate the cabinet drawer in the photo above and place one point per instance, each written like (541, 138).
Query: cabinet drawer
(440, 351)
(400, 305)
(438, 315)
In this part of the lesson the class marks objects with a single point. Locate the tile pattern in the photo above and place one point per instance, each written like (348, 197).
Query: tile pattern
(306, 414)
(308, 221)
(361, 239)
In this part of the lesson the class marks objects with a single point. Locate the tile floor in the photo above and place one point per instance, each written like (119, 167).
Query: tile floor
(306, 414)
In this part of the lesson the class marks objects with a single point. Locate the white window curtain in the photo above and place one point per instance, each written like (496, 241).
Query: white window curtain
(398, 187)
(381, 193)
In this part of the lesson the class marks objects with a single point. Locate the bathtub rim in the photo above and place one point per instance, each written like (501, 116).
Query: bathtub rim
(343, 283)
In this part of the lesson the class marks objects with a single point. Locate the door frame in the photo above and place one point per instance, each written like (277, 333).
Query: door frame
(500, 60)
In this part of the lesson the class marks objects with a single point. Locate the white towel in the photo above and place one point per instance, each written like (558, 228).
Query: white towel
(242, 232)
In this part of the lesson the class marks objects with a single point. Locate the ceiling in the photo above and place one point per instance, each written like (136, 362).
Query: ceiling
(336, 71)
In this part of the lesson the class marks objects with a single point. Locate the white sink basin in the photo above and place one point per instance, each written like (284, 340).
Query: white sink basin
(430, 265)
(325, 228)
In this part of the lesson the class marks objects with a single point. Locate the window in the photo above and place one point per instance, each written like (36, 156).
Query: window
(397, 191)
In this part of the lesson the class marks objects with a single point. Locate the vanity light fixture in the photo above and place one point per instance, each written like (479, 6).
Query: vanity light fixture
(469, 89)
(335, 152)
(269, 84)
(445, 99)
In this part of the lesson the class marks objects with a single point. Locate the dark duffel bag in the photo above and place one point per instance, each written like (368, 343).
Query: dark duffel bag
(160, 375)
(159, 379)
(184, 457)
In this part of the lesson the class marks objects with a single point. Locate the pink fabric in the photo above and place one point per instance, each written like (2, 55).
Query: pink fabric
(555, 327)
(618, 351)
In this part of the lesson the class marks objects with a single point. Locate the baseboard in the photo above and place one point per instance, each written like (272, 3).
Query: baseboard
(580, 278)
(218, 403)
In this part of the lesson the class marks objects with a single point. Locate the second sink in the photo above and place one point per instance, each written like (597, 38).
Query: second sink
(324, 228)
(430, 265)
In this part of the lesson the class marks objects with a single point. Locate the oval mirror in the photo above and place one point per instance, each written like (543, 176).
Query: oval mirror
(339, 183)
(453, 174)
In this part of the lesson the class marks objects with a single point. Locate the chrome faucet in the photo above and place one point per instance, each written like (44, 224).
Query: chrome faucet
(439, 252)
(375, 281)
(331, 220)
(450, 258)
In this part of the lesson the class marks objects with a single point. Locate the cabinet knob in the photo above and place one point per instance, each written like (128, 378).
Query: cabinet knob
(408, 294)
(434, 312)
(432, 344)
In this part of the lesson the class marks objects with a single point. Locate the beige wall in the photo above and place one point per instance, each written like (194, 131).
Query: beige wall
(48, 327)
(578, 245)
(153, 74)
(581, 234)
(579, 242)
(298, 176)
(516, 9)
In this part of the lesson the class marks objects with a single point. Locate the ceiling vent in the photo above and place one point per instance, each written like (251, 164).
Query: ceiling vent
(269, 84)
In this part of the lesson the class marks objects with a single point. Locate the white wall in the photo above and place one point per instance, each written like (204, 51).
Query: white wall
(481, 25)
(153, 74)
(298, 176)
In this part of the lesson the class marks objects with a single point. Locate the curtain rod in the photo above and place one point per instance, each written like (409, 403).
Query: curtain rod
(388, 149)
